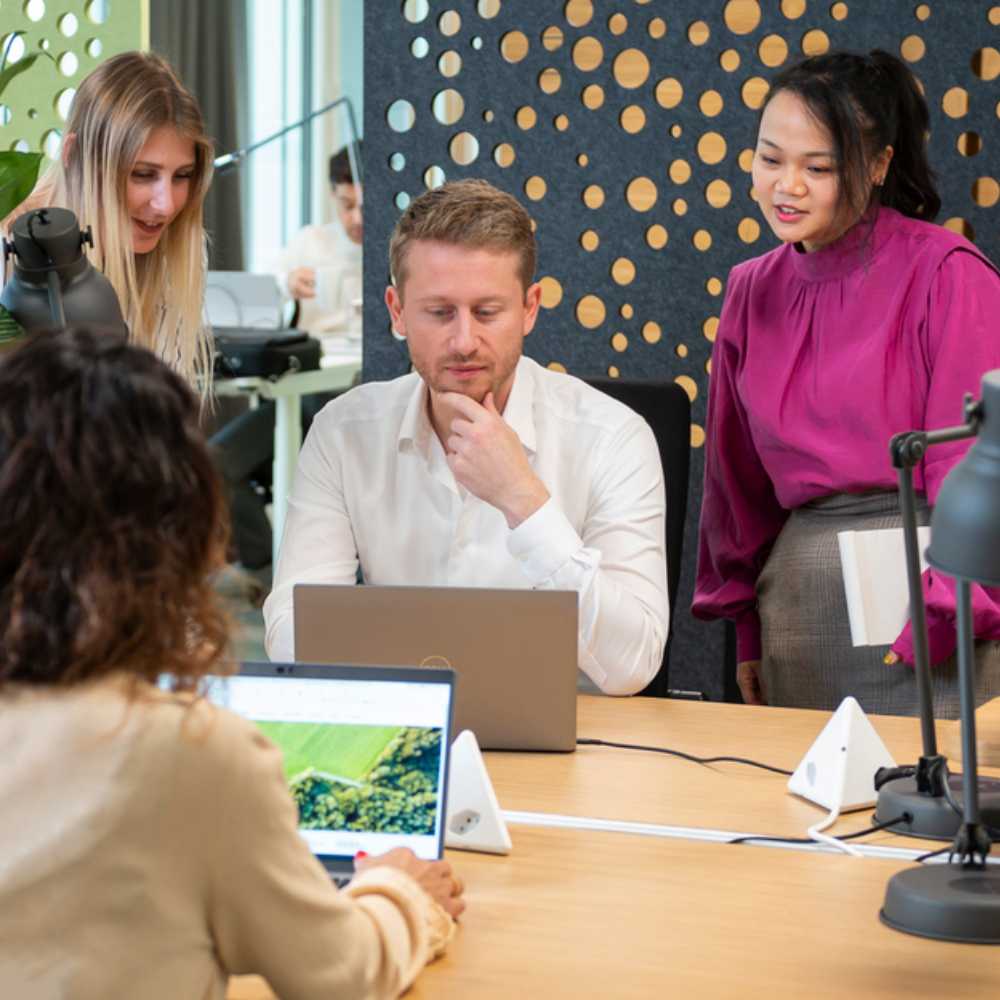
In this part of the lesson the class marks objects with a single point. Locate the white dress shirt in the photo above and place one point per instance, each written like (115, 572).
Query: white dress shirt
(337, 262)
(373, 480)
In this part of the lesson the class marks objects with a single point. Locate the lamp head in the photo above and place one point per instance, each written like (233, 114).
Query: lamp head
(965, 524)
(50, 269)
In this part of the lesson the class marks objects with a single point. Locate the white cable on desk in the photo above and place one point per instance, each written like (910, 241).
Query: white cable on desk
(813, 833)
(880, 852)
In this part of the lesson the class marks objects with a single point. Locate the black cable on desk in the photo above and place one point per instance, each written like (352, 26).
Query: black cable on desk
(905, 818)
(683, 756)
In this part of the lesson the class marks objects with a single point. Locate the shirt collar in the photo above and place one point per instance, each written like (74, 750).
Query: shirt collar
(519, 411)
(416, 428)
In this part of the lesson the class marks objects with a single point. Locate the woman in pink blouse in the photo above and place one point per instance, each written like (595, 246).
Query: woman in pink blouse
(867, 321)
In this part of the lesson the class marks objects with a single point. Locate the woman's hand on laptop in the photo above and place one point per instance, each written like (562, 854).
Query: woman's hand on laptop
(434, 877)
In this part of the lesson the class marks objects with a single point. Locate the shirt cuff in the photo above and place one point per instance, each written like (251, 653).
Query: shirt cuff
(432, 927)
(544, 542)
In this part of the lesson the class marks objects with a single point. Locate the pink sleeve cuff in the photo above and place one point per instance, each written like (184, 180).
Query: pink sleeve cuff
(940, 639)
(748, 646)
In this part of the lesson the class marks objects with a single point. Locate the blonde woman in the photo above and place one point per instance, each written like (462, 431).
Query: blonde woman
(135, 166)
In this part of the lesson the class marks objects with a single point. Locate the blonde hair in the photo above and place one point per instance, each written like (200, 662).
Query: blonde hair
(471, 213)
(114, 112)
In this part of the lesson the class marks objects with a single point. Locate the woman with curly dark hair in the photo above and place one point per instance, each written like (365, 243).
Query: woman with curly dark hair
(148, 842)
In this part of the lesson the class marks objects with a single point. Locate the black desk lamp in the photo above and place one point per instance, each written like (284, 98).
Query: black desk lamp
(924, 796)
(960, 900)
(53, 281)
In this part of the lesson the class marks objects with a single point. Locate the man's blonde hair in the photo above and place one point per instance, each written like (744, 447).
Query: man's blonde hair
(468, 213)
(118, 106)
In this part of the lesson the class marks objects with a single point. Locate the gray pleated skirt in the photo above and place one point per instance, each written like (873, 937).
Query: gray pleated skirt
(808, 659)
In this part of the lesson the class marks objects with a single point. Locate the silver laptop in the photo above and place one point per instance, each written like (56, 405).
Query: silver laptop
(239, 299)
(365, 752)
(514, 651)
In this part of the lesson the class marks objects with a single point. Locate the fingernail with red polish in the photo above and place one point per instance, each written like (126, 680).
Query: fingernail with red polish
(360, 854)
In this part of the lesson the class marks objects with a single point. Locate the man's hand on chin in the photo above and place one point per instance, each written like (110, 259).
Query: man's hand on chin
(487, 458)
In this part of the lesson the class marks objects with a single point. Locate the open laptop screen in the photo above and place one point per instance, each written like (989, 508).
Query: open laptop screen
(365, 751)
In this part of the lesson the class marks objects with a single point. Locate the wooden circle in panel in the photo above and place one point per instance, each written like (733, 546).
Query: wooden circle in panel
(590, 312)
(656, 236)
(698, 33)
(711, 148)
(504, 155)
(815, 43)
(549, 80)
(741, 16)
(631, 68)
(514, 46)
(535, 188)
(669, 92)
(623, 271)
(464, 148)
(588, 54)
(773, 50)
(552, 38)
(641, 194)
(986, 63)
(986, 192)
(578, 12)
(689, 385)
(593, 96)
(552, 292)
(912, 48)
(632, 119)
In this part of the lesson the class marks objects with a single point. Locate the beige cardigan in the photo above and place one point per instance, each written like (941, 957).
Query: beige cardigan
(149, 849)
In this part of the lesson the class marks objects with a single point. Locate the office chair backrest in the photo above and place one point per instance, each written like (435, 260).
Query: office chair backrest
(665, 406)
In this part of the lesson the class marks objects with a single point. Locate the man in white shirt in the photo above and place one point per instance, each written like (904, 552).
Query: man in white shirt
(482, 469)
(321, 267)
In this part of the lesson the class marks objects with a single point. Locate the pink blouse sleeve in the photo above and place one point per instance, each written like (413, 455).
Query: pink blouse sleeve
(740, 514)
(963, 343)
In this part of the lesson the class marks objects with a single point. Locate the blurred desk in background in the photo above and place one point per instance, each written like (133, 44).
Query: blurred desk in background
(337, 371)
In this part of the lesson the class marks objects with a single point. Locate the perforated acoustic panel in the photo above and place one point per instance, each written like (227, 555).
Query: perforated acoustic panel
(627, 129)
(78, 34)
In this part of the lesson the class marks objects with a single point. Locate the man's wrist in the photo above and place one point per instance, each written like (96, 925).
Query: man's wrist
(525, 503)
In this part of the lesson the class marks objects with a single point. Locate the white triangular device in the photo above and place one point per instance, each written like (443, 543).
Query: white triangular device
(473, 820)
(838, 772)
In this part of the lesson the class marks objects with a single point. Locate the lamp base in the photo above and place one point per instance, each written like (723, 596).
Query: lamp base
(933, 817)
(946, 902)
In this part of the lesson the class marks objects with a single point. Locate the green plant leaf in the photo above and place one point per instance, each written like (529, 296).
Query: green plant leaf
(18, 173)
(19, 67)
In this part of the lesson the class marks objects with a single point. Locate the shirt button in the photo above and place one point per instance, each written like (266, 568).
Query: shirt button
(462, 542)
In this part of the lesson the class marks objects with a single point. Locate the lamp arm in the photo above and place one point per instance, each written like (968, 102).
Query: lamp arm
(230, 161)
(907, 450)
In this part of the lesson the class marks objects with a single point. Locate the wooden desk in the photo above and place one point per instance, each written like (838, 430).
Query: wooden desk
(582, 913)
(643, 787)
(579, 914)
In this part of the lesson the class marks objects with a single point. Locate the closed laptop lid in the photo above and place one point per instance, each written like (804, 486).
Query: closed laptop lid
(365, 751)
(514, 652)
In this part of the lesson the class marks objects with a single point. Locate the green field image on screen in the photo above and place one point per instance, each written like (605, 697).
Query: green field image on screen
(362, 778)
